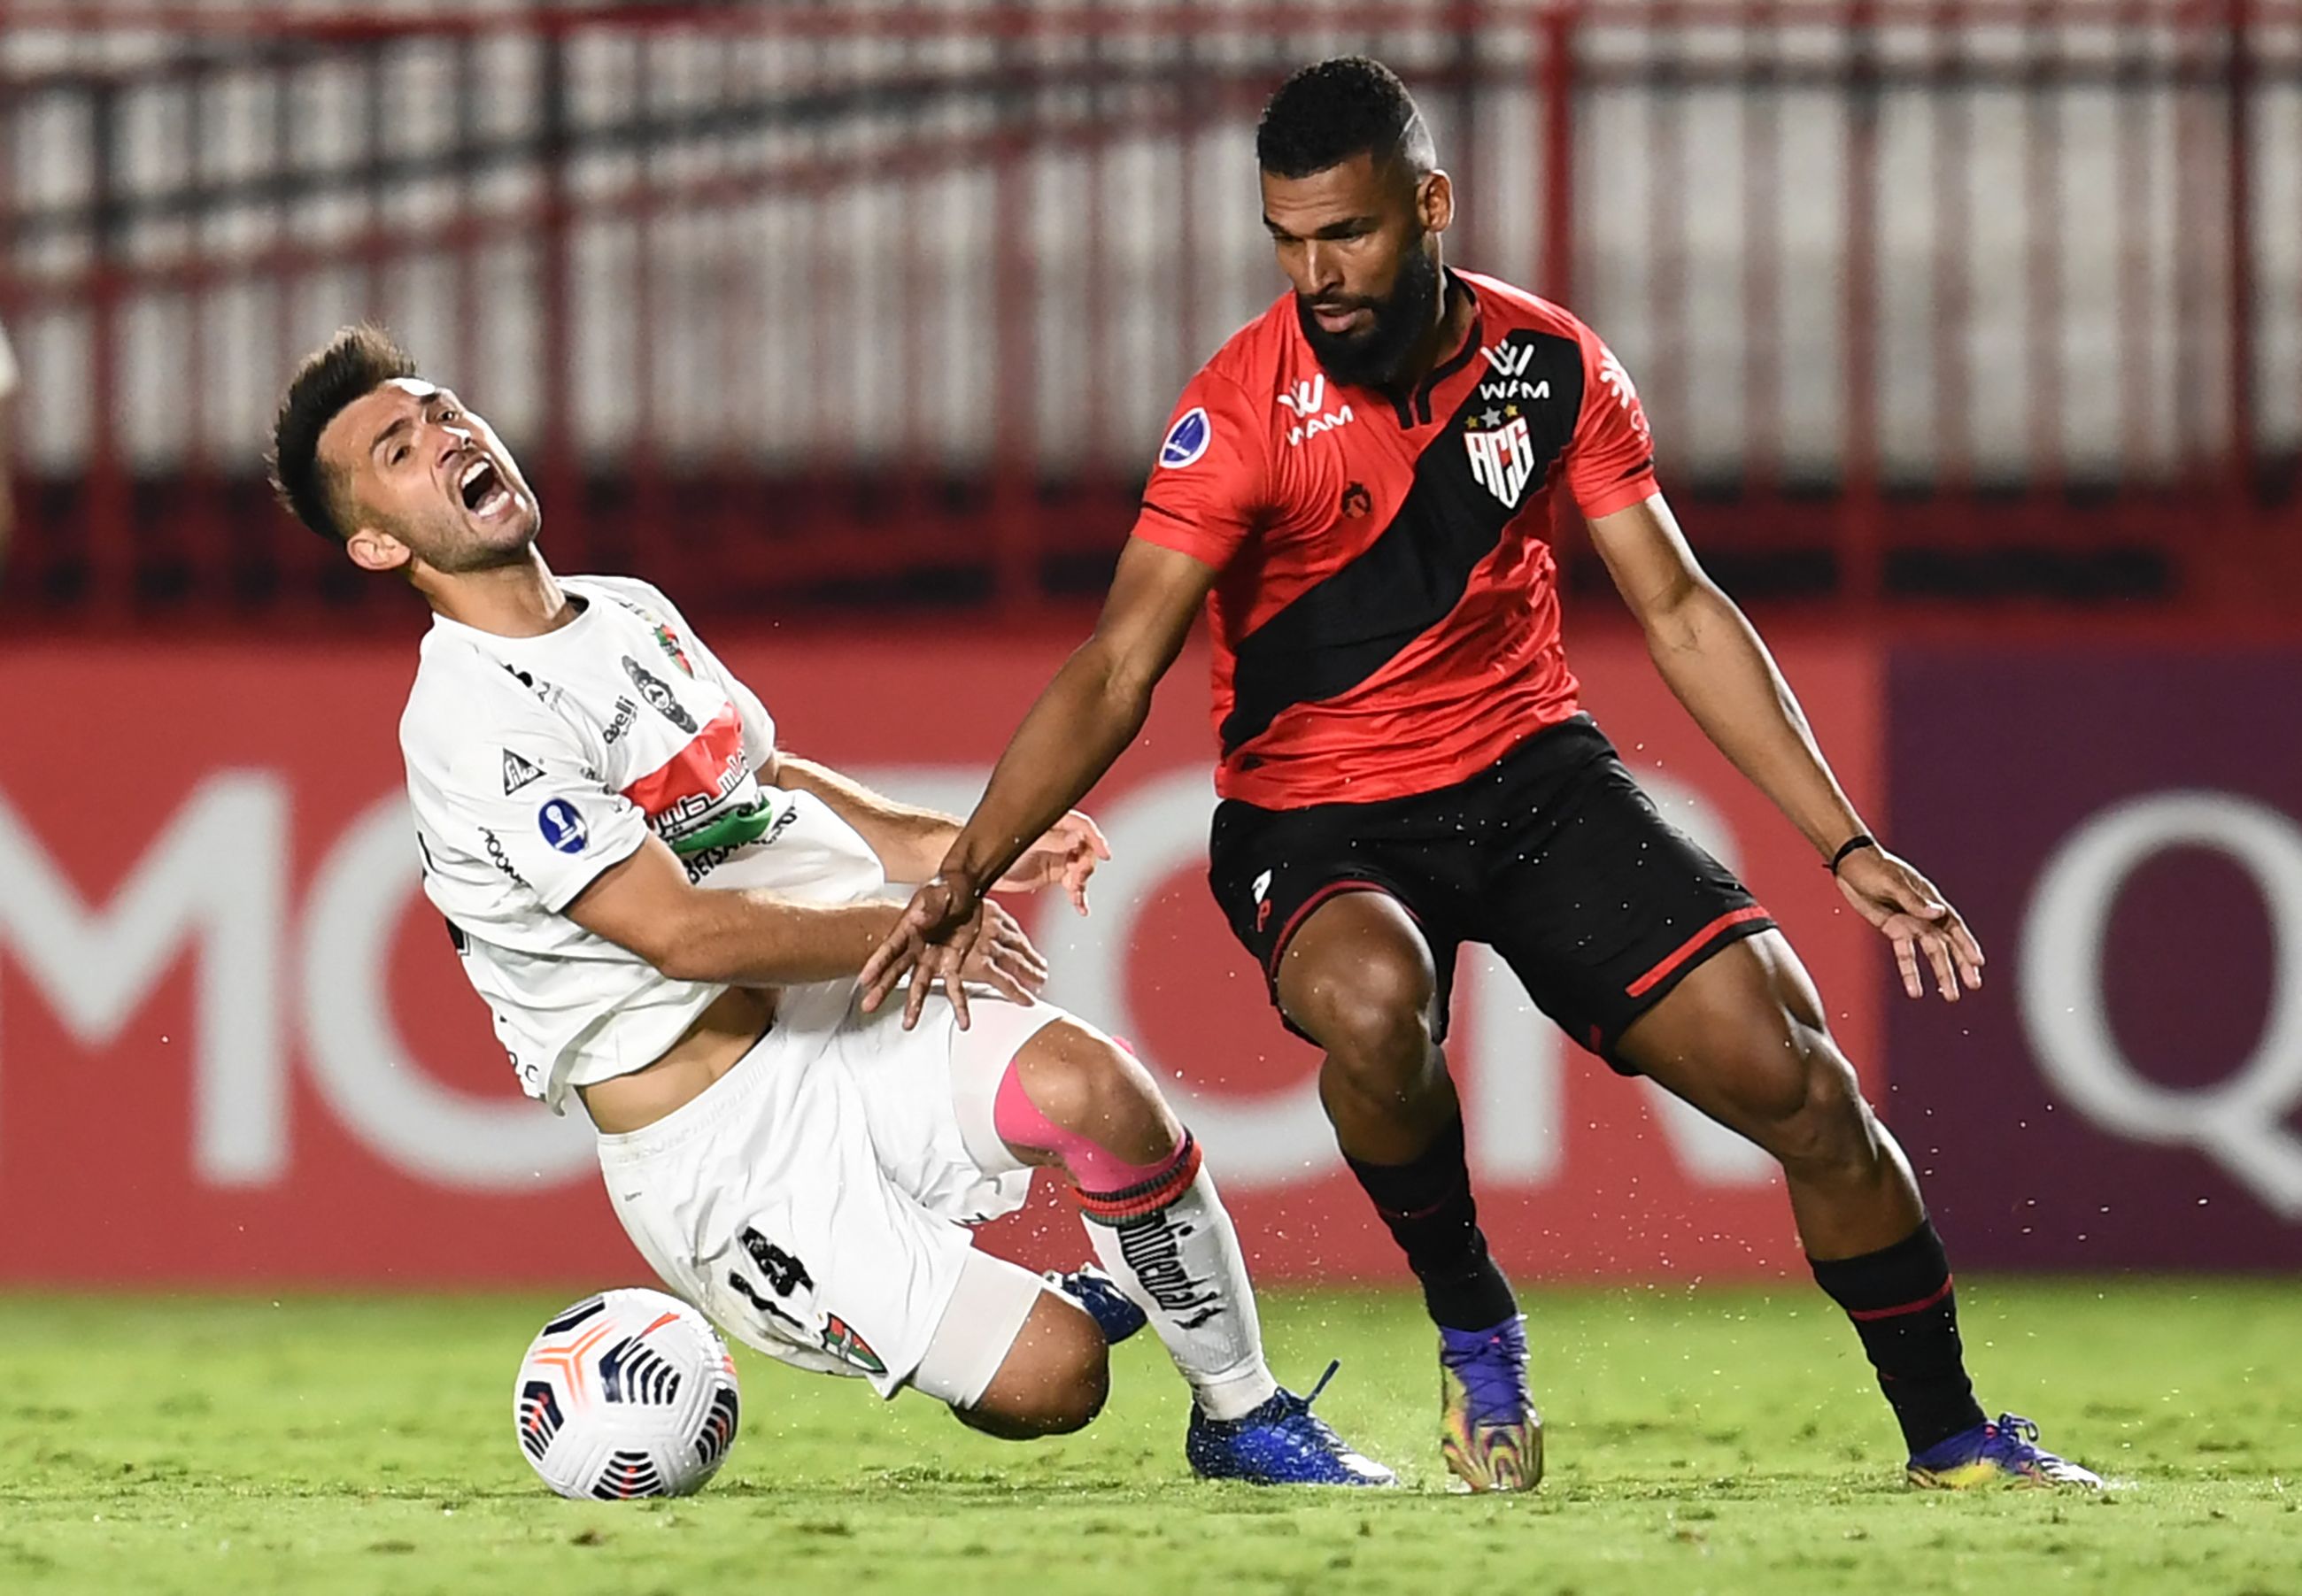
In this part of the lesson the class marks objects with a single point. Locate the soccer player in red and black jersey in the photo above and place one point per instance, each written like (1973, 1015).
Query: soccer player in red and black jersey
(1356, 489)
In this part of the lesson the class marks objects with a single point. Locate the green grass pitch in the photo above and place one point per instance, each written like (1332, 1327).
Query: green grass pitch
(1699, 1441)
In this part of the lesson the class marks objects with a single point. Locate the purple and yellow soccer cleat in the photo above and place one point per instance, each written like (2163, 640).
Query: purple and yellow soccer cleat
(2006, 1453)
(1488, 1432)
(1282, 1442)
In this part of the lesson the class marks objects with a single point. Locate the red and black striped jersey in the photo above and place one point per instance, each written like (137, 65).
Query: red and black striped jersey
(1386, 614)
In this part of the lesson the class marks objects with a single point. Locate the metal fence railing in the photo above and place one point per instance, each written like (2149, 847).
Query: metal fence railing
(805, 303)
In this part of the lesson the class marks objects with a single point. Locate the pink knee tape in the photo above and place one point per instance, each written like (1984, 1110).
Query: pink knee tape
(1103, 1179)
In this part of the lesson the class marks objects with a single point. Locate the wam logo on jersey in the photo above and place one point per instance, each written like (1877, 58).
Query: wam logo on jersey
(1502, 459)
(563, 827)
(1511, 363)
(1186, 440)
(1306, 402)
(1305, 398)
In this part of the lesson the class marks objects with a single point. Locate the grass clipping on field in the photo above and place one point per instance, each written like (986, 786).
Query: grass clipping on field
(1711, 1440)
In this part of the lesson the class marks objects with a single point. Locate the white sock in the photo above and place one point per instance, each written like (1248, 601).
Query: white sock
(1182, 1266)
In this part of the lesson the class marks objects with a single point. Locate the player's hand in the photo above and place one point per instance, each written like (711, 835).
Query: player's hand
(1003, 958)
(1918, 920)
(932, 939)
(1068, 853)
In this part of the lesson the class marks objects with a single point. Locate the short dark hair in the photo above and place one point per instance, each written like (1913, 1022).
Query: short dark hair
(357, 360)
(1331, 110)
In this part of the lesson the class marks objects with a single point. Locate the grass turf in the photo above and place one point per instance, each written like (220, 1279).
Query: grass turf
(1714, 1441)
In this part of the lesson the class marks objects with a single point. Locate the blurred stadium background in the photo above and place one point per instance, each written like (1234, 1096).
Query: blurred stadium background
(1973, 335)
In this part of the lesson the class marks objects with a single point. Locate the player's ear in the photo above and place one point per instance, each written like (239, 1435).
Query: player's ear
(372, 549)
(1434, 201)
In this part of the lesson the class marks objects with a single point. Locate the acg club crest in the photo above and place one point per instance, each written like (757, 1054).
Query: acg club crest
(1502, 454)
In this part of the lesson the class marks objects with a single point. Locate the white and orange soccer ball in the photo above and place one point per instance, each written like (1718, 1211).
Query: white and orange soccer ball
(628, 1393)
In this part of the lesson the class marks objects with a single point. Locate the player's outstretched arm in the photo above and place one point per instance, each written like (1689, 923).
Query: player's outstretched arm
(1082, 722)
(911, 842)
(646, 903)
(1713, 660)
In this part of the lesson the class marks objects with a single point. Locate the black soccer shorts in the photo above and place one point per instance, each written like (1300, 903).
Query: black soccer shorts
(1552, 856)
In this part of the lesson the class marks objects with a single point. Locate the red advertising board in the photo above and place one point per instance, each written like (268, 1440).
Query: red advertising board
(2125, 828)
(235, 1045)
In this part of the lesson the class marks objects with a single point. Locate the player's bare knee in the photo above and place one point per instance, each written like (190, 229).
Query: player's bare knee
(1072, 1399)
(1063, 1399)
(1054, 1380)
(1085, 1388)
(1829, 1126)
(1360, 981)
(1083, 1082)
(1375, 1023)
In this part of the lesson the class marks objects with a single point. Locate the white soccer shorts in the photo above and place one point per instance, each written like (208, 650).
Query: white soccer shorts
(814, 1202)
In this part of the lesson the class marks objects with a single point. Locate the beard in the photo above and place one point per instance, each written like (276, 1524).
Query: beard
(453, 547)
(1372, 356)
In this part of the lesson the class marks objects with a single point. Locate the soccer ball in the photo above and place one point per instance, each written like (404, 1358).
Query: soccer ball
(628, 1393)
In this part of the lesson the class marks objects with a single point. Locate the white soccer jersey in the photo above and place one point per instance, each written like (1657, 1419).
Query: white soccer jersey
(534, 763)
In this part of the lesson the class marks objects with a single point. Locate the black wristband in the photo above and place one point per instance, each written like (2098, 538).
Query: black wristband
(1853, 845)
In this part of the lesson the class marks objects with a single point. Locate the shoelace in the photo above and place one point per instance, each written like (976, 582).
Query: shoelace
(2020, 1428)
(1319, 1427)
(1491, 1383)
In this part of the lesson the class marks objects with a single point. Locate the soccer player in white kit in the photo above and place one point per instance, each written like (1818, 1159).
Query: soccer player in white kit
(666, 912)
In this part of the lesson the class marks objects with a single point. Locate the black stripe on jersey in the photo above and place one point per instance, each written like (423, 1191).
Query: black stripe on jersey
(1340, 632)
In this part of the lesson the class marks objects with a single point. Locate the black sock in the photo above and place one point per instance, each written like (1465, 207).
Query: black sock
(1427, 1205)
(1904, 1308)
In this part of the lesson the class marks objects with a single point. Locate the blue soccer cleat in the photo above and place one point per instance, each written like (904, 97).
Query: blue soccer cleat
(2006, 1453)
(1489, 1435)
(1105, 1304)
(1282, 1442)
